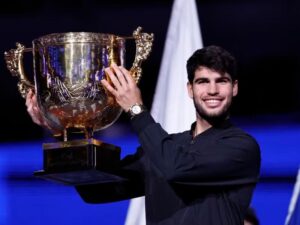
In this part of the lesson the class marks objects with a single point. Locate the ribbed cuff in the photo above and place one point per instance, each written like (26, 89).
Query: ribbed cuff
(141, 121)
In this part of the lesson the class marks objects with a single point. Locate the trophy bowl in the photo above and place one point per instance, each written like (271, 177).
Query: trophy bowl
(68, 68)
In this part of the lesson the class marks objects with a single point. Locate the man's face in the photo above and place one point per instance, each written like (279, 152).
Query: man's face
(212, 93)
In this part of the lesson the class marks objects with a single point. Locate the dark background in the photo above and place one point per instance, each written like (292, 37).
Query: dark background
(262, 34)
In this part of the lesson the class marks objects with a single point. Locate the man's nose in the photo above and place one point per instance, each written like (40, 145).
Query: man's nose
(213, 88)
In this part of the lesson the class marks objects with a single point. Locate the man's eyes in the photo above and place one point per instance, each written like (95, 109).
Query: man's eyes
(201, 81)
(223, 81)
(204, 81)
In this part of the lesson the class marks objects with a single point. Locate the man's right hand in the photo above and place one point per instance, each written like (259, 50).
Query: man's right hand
(35, 112)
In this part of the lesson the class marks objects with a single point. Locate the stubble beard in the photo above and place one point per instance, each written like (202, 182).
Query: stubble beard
(213, 117)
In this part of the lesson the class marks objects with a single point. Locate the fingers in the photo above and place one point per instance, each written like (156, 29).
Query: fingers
(29, 97)
(116, 76)
(123, 75)
(128, 76)
(109, 87)
(122, 86)
(120, 74)
(114, 79)
(36, 114)
(33, 109)
(120, 77)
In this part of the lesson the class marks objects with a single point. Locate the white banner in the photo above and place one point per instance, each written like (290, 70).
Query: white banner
(172, 107)
(293, 217)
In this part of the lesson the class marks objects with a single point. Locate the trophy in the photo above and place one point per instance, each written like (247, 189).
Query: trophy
(67, 69)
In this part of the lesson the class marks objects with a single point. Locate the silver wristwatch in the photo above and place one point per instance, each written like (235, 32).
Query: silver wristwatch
(136, 109)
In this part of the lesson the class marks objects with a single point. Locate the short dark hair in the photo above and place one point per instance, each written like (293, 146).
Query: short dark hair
(214, 58)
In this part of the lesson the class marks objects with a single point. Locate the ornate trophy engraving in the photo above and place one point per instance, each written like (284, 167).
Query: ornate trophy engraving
(68, 68)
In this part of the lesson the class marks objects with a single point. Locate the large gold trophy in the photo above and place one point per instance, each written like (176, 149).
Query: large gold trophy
(68, 68)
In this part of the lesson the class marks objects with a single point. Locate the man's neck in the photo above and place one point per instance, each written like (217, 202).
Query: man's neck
(201, 126)
(204, 124)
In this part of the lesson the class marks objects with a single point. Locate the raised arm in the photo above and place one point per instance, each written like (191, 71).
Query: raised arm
(230, 158)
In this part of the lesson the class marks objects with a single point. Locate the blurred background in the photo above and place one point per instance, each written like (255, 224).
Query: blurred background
(263, 35)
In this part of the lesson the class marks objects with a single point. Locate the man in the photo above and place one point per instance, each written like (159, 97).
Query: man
(202, 176)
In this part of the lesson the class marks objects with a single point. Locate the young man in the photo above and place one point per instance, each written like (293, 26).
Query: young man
(202, 176)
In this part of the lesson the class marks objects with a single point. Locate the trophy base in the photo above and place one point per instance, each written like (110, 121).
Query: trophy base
(80, 162)
(80, 177)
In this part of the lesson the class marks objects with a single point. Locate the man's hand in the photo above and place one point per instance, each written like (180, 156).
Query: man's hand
(35, 112)
(124, 87)
(33, 108)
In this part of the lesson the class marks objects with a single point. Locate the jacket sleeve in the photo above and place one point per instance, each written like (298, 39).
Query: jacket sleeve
(131, 187)
(109, 192)
(229, 160)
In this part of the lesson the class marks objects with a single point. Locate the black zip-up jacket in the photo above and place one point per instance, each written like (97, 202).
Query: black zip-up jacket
(207, 180)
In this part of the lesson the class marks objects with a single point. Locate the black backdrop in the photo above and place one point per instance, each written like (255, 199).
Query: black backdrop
(262, 34)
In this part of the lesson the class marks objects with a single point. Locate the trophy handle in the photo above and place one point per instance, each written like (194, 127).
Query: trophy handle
(143, 48)
(14, 62)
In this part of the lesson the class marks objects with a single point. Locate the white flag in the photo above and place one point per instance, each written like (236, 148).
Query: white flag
(293, 217)
(172, 107)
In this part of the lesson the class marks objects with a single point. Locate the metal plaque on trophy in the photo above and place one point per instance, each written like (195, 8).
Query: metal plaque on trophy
(67, 69)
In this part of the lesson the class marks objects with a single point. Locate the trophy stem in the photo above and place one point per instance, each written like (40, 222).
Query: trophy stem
(89, 132)
(65, 135)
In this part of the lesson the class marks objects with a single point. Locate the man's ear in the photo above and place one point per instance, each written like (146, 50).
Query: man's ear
(235, 88)
(190, 89)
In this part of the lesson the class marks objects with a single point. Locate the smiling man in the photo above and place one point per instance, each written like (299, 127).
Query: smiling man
(212, 84)
(202, 176)
(205, 175)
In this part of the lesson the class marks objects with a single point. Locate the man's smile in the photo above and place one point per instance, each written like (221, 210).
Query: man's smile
(213, 102)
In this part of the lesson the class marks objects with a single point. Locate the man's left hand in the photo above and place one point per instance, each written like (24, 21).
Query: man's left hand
(123, 87)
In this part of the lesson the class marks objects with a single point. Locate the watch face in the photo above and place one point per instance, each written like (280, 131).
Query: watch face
(136, 109)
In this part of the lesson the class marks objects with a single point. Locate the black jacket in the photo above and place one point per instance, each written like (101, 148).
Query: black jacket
(204, 180)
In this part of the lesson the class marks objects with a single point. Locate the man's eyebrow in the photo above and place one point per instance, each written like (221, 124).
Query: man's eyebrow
(201, 79)
(224, 78)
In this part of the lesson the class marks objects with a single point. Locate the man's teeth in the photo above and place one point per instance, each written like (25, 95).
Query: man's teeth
(212, 101)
